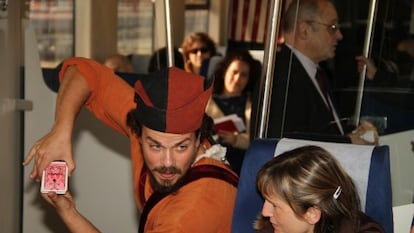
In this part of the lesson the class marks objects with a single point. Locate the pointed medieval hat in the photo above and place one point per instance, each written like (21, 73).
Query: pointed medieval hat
(172, 100)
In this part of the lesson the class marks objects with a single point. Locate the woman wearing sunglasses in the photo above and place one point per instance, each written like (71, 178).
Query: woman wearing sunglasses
(196, 48)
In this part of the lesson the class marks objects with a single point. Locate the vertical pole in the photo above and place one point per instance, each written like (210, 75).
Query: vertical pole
(366, 53)
(170, 33)
(11, 143)
(268, 66)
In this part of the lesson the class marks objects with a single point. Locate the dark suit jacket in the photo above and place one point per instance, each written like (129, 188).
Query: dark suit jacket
(306, 112)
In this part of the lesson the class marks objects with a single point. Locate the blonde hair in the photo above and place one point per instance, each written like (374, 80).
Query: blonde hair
(308, 177)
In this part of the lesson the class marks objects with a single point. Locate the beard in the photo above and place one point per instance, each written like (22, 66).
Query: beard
(165, 186)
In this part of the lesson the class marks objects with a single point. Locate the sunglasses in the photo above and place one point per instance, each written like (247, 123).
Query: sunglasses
(202, 50)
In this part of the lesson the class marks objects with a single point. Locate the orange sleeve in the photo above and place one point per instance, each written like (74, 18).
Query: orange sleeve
(111, 97)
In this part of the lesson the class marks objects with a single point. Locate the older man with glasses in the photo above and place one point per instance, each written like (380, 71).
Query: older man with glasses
(301, 103)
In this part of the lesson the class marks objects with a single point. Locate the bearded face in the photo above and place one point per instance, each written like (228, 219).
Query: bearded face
(167, 157)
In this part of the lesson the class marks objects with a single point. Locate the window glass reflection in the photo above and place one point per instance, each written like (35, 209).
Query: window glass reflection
(389, 89)
(52, 21)
(135, 26)
(196, 16)
(196, 20)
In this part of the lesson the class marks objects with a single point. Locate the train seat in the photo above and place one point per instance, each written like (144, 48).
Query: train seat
(369, 166)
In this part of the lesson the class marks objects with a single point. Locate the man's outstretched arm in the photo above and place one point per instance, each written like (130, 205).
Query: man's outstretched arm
(57, 144)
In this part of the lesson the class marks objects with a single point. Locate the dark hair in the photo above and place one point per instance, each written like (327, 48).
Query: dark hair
(240, 55)
(309, 176)
(158, 60)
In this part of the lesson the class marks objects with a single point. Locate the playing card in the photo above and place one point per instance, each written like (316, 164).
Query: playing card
(55, 178)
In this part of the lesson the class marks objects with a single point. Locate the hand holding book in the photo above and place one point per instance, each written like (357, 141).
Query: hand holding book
(230, 123)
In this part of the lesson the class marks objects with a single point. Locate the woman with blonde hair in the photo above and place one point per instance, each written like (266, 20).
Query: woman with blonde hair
(307, 190)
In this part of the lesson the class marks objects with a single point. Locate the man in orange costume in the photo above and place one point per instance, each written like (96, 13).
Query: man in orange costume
(181, 183)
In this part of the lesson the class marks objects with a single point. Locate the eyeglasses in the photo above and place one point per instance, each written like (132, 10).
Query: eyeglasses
(332, 28)
(202, 50)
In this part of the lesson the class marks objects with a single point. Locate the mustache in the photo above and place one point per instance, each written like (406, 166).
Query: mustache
(167, 170)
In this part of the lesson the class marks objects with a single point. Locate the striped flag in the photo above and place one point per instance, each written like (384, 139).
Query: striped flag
(248, 23)
(248, 20)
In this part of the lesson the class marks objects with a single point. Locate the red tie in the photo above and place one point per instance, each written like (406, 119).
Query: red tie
(321, 79)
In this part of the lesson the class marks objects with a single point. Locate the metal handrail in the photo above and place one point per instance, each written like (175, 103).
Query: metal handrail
(268, 66)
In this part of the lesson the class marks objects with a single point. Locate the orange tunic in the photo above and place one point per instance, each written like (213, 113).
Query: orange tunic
(205, 205)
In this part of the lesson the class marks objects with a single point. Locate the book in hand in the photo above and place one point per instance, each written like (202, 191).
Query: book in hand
(231, 123)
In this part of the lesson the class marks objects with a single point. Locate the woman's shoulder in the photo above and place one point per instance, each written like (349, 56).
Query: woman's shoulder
(368, 225)
(365, 224)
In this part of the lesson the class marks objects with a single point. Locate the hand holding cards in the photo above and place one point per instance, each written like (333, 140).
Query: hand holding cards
(55, 178)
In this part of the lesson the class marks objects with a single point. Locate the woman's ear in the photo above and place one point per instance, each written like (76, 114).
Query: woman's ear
(313, 215)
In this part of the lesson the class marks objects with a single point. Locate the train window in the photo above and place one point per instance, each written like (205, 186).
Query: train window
(394, 26)
(135, 26)
(196, 16)
(53, 25)
(136, 23)
(388, 92)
